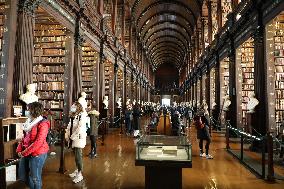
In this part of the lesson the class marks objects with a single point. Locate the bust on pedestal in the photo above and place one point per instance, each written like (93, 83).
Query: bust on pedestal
(104, 112)
(252, 103)
(227, 103)
(29, 96)
(117, 112)
(83, 102)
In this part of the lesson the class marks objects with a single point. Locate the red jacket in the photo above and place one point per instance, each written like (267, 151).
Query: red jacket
(37, 139)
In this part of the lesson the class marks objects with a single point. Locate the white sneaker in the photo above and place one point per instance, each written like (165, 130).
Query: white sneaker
(78, 178)
(202, 155)
(74, 173)
(209, 156)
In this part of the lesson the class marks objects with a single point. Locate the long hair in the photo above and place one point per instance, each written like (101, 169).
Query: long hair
(79, 109)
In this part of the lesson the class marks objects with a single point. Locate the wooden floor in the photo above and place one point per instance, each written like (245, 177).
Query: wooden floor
(114, 168)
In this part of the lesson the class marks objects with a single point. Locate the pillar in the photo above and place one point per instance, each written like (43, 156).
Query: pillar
(101, 75)
(113, 16)
(23, 68)
(260, 121)
(114, 86)
(124, 88)
(7, 59)
(209, 21)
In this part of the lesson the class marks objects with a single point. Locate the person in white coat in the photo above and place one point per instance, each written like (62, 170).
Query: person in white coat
(77, 136)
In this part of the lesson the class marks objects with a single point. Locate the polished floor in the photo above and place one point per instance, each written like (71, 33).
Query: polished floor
(115, 168)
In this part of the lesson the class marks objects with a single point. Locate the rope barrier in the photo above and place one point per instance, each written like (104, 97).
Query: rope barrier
(9, 164)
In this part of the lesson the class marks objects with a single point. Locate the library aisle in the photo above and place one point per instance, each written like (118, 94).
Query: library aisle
(115, 168)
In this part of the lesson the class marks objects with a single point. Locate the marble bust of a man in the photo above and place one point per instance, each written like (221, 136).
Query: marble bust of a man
(105, 102)
(227, 103)
(119, 103)
(82, 101)
(29, 96)
(252, 103)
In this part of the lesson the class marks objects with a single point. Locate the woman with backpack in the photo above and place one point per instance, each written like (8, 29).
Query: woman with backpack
(202, 127)
(76, 136)
(33, 147)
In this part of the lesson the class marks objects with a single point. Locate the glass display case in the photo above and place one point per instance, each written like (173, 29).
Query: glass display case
(164, 157)
(163, 148)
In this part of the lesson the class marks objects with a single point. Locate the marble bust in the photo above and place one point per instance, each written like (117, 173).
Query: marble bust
(227, 103)
(29, 96)
(119, 103)
(134, 102)
(127, 101)
(105, 102)
(83, 102)
(252, 103)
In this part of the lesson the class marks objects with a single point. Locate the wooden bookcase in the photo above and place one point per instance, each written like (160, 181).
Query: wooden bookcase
(224, 80)
(119, 87)
(245, 75)
(226, 9)
(275, 64)
(212, 88)
(52, 52)
(89, 61)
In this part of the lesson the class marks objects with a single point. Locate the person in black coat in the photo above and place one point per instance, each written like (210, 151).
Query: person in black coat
(202, 126)
(136, 117)
(176, 123)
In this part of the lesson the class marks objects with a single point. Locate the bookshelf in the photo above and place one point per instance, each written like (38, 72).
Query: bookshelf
(224, 84)
(119, 83)
(245, 74)
(226, 9)
(212, 88)
(2, 8)
(275, 63)
(48, 67)
(214, 18)
(89, 63)
(224, 80)
(198, 92)
(108, 77)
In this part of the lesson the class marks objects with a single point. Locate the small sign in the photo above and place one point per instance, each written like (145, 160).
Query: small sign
(11, 173)
(18, 111)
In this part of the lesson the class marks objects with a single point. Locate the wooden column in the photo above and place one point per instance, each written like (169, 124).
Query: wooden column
(260, 121)
(209, 21)
(7, 58)
(200, 87)
(217, 83)
(234, 5)
(124, 88)
(77, 69)
(219, 14)
(130, 39)
(23, 68)
(114, 86)
(96, 88)
(123, 25)
(68, 76)
(114, 16)
(101, 76)
(202, 35)
(207, 88)
(100, 7)
(132, 87)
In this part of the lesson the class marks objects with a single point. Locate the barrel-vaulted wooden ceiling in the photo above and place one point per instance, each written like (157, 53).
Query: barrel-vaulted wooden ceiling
(165, 27)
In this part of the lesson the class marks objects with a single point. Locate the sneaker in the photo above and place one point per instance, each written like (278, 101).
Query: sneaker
(74, 173)
(202, 155)
(209, 156)
(78, 178)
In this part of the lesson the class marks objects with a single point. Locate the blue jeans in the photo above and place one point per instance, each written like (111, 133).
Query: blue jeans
(30, 169)
(128, 124)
